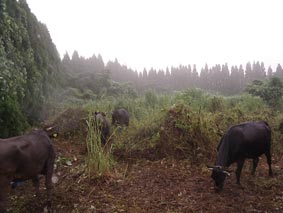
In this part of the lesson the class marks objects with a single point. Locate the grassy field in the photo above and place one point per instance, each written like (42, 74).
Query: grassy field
(158, 163)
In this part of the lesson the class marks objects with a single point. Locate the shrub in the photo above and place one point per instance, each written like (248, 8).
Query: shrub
(188, 134)
(12, 121)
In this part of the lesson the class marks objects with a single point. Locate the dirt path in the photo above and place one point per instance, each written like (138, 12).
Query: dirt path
(153, 186)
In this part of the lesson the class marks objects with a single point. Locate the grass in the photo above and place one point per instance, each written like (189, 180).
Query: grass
(99, 160)
(199, 117)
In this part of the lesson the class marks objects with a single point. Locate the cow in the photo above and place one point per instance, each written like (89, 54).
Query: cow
(26, 157)
(102, 126)
(246, 140)
(120, 117)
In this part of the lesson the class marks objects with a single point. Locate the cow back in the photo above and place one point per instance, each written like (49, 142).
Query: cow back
(121, 117)
(246, 140)
(27, 155)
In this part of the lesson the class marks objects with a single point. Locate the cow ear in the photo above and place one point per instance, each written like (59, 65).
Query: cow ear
(96, 112)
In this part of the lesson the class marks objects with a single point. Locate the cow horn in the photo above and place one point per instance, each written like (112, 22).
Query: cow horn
(223, 169)
(226, 172)
(227, 169)
(214, 167)
(210, 167)
(49, 128)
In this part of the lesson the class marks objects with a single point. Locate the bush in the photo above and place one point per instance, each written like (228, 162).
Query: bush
(188, 134)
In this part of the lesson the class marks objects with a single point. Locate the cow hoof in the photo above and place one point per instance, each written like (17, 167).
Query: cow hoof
(47, 209)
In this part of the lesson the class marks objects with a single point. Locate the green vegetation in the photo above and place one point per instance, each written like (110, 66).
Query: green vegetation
(29, 67)
(99, 160)
(169, 116)
(270, 91)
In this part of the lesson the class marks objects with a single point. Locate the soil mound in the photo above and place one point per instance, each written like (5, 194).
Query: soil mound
(71, 123)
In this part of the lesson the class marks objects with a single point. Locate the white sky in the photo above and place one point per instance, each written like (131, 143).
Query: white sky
(161, 33)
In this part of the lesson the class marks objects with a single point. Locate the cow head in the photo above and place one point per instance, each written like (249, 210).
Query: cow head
(100, 119)
(219, 174)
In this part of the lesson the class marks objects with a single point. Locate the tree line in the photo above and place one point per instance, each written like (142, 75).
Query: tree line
(218, 79)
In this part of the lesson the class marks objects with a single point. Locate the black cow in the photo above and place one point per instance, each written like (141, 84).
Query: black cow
(246, 140)
(26, 157)
(102, 126)
(120, 117)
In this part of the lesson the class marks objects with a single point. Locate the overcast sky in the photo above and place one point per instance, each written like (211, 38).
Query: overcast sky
(161, 33)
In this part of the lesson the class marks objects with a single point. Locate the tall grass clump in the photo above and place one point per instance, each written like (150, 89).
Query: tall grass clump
(99, 160)
(188, 133)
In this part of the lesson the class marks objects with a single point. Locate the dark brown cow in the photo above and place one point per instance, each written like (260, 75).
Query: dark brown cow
(242, 141)
(26, 157)
(120, 117)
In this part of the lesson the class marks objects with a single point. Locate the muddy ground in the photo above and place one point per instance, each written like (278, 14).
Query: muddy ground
(143, 183)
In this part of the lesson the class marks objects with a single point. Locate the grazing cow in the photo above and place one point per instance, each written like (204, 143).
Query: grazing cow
(26, 157)
(120, 117)
(103, 126)
(246, 140)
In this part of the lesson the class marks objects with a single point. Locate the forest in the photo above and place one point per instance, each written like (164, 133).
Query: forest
(177, 118)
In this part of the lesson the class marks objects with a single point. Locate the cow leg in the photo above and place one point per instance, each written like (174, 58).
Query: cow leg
(268, 158)
(48, 185)
(35, 182)
(4, 189)
(102, 139)
(240, 164)
(48, 179)
(255, 162)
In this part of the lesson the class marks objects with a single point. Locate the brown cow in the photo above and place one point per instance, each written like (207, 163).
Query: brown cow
(242, 141)
(26, 157)
(120, 117)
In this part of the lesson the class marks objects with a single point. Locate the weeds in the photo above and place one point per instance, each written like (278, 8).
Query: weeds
(99, 160)
(191, 122)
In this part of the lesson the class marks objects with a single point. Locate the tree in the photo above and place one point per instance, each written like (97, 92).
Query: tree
(270, 91)
(279, 71)
(29, 66)
(269, 72)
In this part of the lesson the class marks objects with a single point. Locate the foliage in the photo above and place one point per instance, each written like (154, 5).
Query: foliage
(192, 97)
(150, 99)
(188, 124)
(270, 91)
(12, 121)
(188, 133)
(29, 65)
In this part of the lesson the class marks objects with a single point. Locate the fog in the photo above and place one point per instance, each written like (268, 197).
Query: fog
(162, 34)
